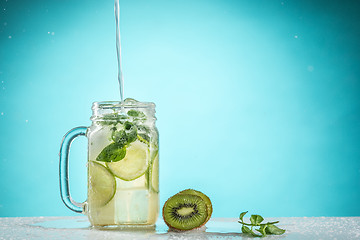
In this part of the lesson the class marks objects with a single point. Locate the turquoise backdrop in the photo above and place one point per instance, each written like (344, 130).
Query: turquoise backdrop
(258, 101)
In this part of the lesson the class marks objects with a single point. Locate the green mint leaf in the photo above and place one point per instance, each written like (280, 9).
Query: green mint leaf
(119, 137)
(108, 119)
(272, 229)
(256, 219)
(133, 113)
(270, 223)
(262, 230)
(245, 229)
(112, 119)
(136, 114)
(254, 234)
(126, 136)
(128, 125)
(112, 153)
(131, 132)
(242, 215)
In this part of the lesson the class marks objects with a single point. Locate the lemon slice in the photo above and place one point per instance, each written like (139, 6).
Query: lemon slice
(102, 184)
(134, 164)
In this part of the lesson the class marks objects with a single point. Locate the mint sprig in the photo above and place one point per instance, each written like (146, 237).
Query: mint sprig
(125, 136)
(126, 129)
(264, 229)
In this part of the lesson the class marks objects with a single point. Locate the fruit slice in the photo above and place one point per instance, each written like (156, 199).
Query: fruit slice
(134, 164)
(155, 173)
(102, 184)
(185, 212)
(204, 197)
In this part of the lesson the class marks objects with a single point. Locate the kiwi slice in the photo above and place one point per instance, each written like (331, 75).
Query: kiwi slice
(185, 212)
(204, 197)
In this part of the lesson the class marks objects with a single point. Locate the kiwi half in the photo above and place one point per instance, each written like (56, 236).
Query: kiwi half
(185, 212)
(204, 197)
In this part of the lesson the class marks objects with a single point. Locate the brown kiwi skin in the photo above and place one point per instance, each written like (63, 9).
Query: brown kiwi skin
(177, 229)
(210, 209)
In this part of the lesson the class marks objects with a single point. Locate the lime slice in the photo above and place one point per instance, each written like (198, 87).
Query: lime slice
(142, 138)
(102, 184)
(134, 164)
(155, 173)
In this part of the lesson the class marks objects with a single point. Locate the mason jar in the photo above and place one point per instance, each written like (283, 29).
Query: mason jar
(122, 166)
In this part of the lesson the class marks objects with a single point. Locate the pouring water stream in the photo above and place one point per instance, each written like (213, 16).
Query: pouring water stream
(118, 49)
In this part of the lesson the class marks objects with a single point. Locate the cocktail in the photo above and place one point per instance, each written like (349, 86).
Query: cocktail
(123, 165)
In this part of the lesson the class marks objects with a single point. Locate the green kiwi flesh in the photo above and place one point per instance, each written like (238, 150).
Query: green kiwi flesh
(185, 212)
(204, 197)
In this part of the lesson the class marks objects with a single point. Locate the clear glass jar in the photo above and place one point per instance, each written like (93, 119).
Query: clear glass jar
(123, 165)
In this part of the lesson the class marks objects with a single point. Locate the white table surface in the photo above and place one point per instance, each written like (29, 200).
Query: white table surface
(217, 228)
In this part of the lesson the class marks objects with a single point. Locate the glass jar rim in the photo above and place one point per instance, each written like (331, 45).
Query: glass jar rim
(117, 104)
(113, 109)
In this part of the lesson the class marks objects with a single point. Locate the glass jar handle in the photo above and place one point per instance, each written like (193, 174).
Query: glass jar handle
(64, 168)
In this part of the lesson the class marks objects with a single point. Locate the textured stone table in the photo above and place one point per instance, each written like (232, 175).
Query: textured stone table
(217, 228)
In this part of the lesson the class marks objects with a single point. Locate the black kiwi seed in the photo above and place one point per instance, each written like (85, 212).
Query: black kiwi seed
(185, 212)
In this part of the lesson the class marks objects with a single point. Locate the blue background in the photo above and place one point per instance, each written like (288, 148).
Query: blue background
(257, 101)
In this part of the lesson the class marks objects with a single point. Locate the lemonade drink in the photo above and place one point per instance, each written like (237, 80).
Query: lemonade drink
(123, 164)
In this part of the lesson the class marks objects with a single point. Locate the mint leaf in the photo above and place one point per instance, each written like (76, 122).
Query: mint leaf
(256, 219)
(112, 153)
(131, 132)
(133, 113)
(254, 234)
(262, 230)
(272, 229)
(242, 215)
(137, 115)
(112, 119)
(245, 229)
(128, 125)
(119, 137)
(126, 136)
(108, 119)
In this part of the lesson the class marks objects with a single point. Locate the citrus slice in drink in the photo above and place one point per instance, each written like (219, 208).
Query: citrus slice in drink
(102, 184)
(155, 173)
(134, 164)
